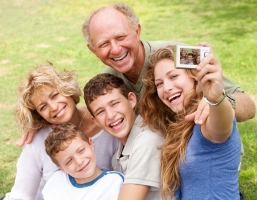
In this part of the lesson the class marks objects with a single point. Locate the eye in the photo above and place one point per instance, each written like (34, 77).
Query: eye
(115, 103)
(55, 95)
(104, 44)
(69, 162)
(42, 108)
(173, 76)
(121, 38)
(99, 112)
(82, 150)
(159, 84)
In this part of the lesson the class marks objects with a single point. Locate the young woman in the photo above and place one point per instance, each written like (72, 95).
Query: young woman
(45, 97)
(198, 161)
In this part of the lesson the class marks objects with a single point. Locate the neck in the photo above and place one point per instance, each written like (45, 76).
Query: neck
(134, 73)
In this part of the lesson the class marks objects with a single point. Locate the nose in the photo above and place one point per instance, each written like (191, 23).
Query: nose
(115, 47)
(53, 105)
(167, 86)
(110, 113)
(78, 160)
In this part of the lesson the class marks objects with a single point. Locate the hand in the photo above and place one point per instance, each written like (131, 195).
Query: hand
(201, 114)
(209, 76)
(205, 44)
(26, 137)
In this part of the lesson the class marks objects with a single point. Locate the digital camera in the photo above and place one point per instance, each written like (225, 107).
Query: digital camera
(188, 57)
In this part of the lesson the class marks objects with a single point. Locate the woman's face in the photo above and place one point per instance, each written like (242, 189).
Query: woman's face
(172, 84)
(52, 106)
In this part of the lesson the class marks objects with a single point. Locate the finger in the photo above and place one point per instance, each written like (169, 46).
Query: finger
(31, 136)
(190, 117)
(209, 59)
(202, 112)
(22, 140)
(205, 44)
(203, 116)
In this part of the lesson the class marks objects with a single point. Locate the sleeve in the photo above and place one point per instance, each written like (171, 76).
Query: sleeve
(28, 176)
(230, 87)
(144, 161)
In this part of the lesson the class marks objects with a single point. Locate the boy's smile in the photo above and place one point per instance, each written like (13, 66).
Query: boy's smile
(78, 160)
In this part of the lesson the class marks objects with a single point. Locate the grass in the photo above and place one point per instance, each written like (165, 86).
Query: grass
(34, 31)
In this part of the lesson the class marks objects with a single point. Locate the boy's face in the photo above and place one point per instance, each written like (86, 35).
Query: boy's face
(189, 58)
(78, 160)
(114, 113)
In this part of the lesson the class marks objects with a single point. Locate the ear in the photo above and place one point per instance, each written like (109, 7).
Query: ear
(95, 121)
(138, 31)
(91, 49)
(132, 99)
(90, 142)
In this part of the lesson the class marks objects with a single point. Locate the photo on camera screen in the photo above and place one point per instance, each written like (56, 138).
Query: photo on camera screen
(188, 57)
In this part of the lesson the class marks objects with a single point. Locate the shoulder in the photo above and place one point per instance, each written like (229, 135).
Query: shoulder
(160, 44)
(115, 174)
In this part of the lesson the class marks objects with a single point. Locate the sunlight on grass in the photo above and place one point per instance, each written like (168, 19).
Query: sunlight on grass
(33, 32)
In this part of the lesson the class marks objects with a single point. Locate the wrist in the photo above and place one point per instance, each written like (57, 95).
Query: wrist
(218, 102)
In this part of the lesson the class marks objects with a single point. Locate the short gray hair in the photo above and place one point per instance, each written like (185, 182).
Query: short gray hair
(127, 11)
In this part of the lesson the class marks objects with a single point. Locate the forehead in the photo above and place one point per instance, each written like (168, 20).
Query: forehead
(117, 23)
(40, 93)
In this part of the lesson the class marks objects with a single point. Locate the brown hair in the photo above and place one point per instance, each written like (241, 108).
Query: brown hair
(127, 11)
(60, 138)
(43, 75)
(100, 85)
(176, 130)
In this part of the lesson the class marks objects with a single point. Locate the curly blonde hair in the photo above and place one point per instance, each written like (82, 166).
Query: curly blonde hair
(65, 82)
(175, 129)
(127, 11)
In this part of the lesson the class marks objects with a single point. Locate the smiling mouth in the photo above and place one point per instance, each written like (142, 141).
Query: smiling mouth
(60, 112)
(174, 97)
(120, 58)
(116, 123)
(84, 166)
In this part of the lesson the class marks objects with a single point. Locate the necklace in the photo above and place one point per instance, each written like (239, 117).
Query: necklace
(82, 119)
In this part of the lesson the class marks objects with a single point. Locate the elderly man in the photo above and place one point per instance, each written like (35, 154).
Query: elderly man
(116, 42)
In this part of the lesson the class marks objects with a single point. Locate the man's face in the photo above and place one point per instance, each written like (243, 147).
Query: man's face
(114, 41)
(115, 113)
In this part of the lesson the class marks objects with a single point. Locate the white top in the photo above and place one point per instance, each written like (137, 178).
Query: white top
(34, 166)
(139, 160)
(61, 186)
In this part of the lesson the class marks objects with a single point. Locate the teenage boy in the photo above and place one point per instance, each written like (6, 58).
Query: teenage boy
(78, 178)
(113, 108)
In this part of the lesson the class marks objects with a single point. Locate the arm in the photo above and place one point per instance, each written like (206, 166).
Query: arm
(219, 123)
(28, 176)
(245, 106)
(133, 191)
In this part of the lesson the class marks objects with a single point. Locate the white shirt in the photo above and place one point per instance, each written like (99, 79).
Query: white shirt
(61, 186)
(34, 166)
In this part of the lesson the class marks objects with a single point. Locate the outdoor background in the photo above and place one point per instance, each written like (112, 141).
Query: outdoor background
(35, 31)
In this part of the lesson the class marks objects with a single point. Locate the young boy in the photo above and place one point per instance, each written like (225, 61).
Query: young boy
(78, 178)
(113, 108)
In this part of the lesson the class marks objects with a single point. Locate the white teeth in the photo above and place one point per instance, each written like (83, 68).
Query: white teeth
(120, 58)
(175, 95)
(117, 122)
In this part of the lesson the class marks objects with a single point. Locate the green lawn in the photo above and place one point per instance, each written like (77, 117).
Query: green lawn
(34, 31)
